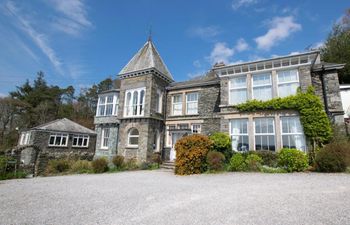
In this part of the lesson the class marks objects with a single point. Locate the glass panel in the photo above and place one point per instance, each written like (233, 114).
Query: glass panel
(134, 132)
(142, 96)
(85, 142)
(75, 140)
(102, 100)
(262, 93)
(238, 96)
(238, 82)
(58, 140)
(52, 140)
(261, 79)
(285, 90)
(80, 141)
(101, 110)
(64, 140)
(192, 108)
(134, 140)
(192, 96)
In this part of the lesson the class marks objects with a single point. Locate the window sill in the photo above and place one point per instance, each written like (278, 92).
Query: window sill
(57, 146)
(132, 147)
(80, 146)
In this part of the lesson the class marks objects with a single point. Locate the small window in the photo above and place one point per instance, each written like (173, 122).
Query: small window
(262, 86)
(177, 105)
(238, 90)
(25, 138)
(105, 138)
(80, 140)
(239, 135)
(288, 82)
(58, 140)
(264, 134)
(133, 137)
(196, 128)
(192, 103)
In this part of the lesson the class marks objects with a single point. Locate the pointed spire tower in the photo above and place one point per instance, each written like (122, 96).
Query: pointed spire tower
(147, 60)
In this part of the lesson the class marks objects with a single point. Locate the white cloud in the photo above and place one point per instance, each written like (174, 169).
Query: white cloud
(197, 64)
(2, 95)
(318, 45)
(39, 39)
(236, 4)
(221, 53)
(280, 29)
(205, 32)
(73, 18)
(241, 45)
(196, 74)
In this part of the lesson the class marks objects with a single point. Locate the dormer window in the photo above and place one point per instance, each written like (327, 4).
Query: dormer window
(134, 102)
(108, 105)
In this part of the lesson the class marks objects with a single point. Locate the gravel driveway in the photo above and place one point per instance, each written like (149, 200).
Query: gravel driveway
(159, 197)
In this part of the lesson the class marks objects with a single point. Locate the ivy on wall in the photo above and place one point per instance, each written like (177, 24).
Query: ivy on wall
(313, 117)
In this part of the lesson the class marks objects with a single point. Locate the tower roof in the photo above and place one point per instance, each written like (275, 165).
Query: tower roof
(146, 58)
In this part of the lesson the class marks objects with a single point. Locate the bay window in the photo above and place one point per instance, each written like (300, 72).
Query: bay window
(177, 105)
(238, 90)
(192, 103)
(134, 102)
(262, 86)
(239, 134)
(292, 133)
(288, 82)
(108, 105)
(264, 134)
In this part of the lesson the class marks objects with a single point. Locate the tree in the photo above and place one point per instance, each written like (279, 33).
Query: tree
(337, 47)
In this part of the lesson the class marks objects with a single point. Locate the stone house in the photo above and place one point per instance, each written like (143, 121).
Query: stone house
(148, 112)
(60, 138)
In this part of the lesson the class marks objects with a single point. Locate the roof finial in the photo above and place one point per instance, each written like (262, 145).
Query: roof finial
(150, 33)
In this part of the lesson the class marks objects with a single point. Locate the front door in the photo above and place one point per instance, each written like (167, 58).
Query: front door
(174, 137)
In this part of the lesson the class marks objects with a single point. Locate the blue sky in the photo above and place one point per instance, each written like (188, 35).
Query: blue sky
(81, 42)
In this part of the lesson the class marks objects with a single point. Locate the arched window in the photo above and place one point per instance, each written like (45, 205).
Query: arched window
(133, 137)
(135, 100)
(142, 96)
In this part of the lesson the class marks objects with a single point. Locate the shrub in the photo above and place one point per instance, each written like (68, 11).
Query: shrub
(267, 169)
(222, 143)
(253, 162)
(237, 163)
(131, 164)
(3, 160)
(215, 161)
(334, 157)
(156, 158)
(58, 166)
(191, 152)
(81, 166)
(100, 165)
(118, 161)
(292, 160)
(13, 175)
(268, 158)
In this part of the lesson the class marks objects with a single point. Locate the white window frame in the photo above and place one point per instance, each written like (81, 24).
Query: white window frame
(294, 133)
(287, 82)
(239, 134)
(61, 135)
(25, 138)
(83, 137)
(169, 141)
(198, 129)
(177, 103)
(104, 137)
(191, 102)
(131, 135)
(230, 88)
(114, 104)
(262, 85)
(265, 134)
(140, 103)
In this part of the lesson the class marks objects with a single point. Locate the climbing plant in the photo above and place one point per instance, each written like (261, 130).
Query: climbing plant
(313, 117)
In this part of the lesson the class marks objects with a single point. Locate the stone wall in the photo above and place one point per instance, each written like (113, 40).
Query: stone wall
(111, 151)
(46, 153)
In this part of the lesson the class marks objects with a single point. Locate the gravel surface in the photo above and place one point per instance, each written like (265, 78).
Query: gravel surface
(159, 197)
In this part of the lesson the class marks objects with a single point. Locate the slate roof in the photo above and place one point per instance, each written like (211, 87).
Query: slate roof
(64, 125)
(327, 66)
(146, 58)
(206, 79)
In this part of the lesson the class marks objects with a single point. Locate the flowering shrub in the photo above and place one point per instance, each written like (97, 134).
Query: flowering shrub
(191, 152)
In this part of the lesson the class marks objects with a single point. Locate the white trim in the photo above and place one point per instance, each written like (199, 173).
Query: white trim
(61, 135)
(129, 106)
(262, 85)
(237, 88)
(187, 102)
(290, 134)
(177, 103)
(102, 146)
(114, 103)
(134, 135)
(243, 134)
(288, 82)
(83, 137)
(265, 134)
